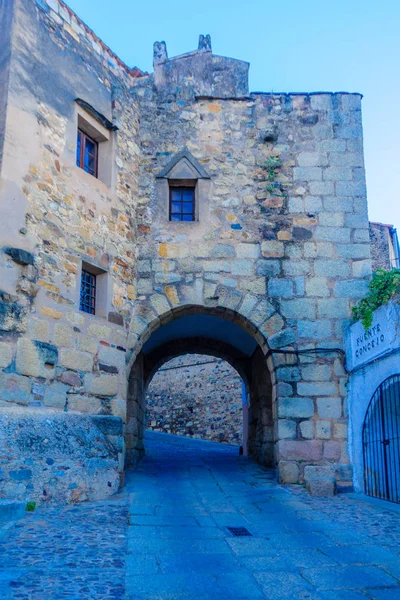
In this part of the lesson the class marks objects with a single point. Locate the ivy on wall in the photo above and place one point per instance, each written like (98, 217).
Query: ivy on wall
(384, 286)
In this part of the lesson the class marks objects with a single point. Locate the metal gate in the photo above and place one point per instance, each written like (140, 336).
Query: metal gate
(381, 442)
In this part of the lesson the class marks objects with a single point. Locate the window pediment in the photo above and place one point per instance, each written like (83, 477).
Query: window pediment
(183, 166)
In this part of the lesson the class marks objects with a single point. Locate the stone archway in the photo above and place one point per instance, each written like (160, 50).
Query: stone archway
(221, 333)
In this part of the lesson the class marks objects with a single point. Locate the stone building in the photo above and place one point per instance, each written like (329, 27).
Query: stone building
(385, 253)
(146, 216)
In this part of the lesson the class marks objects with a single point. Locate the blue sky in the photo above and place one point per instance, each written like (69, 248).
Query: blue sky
(293, 46)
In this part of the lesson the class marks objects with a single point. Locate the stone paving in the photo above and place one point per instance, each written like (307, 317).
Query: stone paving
(165, 537)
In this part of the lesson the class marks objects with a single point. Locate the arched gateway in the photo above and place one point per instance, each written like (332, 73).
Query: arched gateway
(218, 332)
(213, 220)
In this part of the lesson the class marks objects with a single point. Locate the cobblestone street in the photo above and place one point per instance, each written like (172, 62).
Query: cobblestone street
(165, 537)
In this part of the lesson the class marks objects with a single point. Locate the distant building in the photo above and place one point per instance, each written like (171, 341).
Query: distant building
(384, 246)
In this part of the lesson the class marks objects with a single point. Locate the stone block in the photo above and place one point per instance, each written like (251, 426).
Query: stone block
(101, 385)
(331, 268)
(307, 430)
(316, 372)
(282, 339)
(20, 256)
(286, 429)
(144, 266)
(160, 304)
(333, 308)
(21, 475)
(273, 325)
(84, 404)
(312, 159)
(5, 355)
(312, 204)
(297, 408)
(255, 286)
(288, 374)
(76, 360)
(216, 266)
(321, 188)
(309, 450)
(351, 188)
(71, 378)
(332, 234)
(12, 317)
(307, 174)
(55, 395)
(101, 332)
(288, 472)
(299, 308)
(15, 388)
(331, 219)
(243, 267)
(349, 131)
(353, 288)
(295, 268)
(28, 361)
(272, 249)
(279, 287)
(39, 330)
(64, 335)
(320, 481)
(317, 286)
(112, 356)
(332, 450)
(323, 430)
(362, 268)
(268, 268)
(338, 174)
(248, 250)
(329, 408)
(340, 431)
(354, 251)
(338, 146)
(296, 205)
(144, 286)
(318, 249)
(322, 132)
(87, 344)
(316, 388)
(316, 330)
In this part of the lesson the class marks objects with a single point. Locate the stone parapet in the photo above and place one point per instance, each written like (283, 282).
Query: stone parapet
(55, 458)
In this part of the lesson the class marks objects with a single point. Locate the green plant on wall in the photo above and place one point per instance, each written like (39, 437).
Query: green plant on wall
(272, 166)
(383, 286)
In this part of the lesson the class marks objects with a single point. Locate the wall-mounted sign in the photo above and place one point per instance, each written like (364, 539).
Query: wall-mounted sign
(383, 336)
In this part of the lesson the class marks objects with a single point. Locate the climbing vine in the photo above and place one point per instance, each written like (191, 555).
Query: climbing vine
(384, 286)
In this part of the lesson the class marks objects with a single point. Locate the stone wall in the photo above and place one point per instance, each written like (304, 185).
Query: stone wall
(55, 458)
(203, 401)
(280, 242)
(54, 216)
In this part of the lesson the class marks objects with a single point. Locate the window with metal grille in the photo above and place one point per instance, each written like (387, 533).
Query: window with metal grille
(181, 204)
(88, 292)
(87, 153)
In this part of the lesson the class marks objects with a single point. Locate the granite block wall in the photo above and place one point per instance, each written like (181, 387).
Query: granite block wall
(196, 396)
(280, 243)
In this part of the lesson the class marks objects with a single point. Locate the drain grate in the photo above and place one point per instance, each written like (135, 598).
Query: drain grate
(239, 531)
